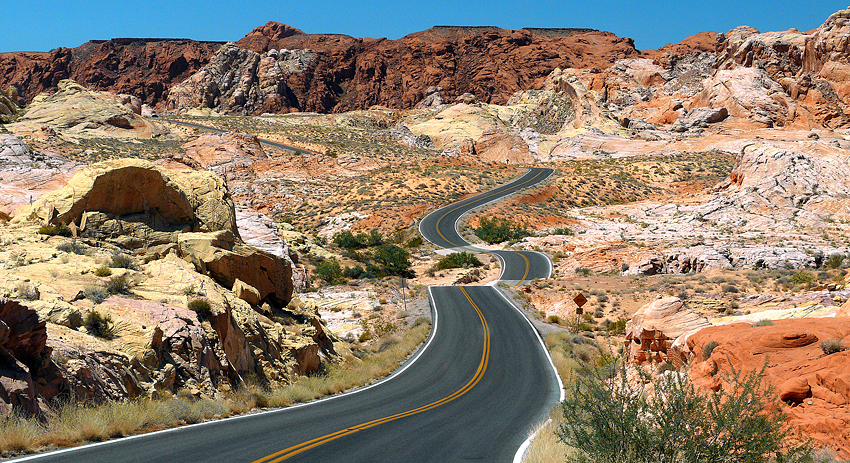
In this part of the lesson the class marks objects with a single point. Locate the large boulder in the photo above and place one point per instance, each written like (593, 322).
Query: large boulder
(137, 190)
(225, 259)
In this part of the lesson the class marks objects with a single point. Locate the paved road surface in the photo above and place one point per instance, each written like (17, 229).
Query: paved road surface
(473, 392)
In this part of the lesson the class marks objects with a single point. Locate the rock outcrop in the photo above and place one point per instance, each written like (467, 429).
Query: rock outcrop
(812, 386)
(24, 356)
(77, 111)
(656, 327)
(144, 68)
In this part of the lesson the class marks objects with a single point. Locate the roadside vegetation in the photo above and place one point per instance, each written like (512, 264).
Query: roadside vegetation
(77, 423)
(607, 418)
(372, 256)
(499, 229)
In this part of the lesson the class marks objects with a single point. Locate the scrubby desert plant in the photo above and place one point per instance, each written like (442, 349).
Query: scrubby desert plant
(765, 322)
(27, 292)
(102, 271)
(708, 348)
(73, 247)
(458, 260)
(96, 294)
(99, 325)
(329, 271)
(121, 261)
(55, 230)
(609, 419)
(499, 229)
(200, 306)
(119, 284)
(831, 346)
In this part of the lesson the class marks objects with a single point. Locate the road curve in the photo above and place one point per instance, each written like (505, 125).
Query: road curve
(473, 392)
(439, 227)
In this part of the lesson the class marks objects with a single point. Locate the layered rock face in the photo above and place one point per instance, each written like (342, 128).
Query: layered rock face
(24, 359)
(655, 327)
(144, 68)
(276, 68)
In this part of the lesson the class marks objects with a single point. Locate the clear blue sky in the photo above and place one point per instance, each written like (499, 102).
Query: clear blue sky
(41, 25)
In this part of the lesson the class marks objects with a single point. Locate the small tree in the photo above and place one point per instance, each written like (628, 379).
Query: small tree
(393, 260)
(329, 271)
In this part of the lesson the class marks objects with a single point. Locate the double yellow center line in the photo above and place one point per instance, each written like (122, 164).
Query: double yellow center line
(482, 367)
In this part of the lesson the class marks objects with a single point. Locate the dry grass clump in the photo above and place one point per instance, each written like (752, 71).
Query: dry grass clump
(77, 423)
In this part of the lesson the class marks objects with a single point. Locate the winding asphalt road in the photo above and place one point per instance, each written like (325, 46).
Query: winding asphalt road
(473, 392)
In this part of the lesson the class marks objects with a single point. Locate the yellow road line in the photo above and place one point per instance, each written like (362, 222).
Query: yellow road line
(482, 367)
(527, 267)
(479, 199)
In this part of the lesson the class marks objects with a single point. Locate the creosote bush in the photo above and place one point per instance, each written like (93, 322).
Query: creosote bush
(121, 261)
(103, 271)
(499, 229)
(608, 419)
(458, 260)
(95, 294)
(55, 230)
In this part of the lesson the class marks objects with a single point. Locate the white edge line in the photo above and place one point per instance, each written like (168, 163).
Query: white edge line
(249, 415)
(522, 448)
(520, 454)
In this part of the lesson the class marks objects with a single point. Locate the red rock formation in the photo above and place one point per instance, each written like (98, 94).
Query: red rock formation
(144, 68)
(814, 388)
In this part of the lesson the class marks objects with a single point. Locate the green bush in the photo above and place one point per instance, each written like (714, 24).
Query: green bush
(730, 289)
(55, 230)
(708, 349)
(414, 242)
(118, 284)
(563, 231)
(835, 261)
(499, 229)
(353, 273)
(200, 306)
(618, 327)
(608, 419)
(329, 271)
(99, 325)
(95, 294)
(802, 278)
(764, 322)
(458, 260)
(831, 346)
(348, 240)
(393, 260)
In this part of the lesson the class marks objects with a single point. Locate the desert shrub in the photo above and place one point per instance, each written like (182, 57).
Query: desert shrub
(414, 242)
(26, 292)
(95, 294)
(499, 229)
(764, 322)
(348, 240)
(103, 271)
(618, 327)
(200, 306)
(607, 419)
(73, 247)
(329, 271)
(730, 289)
(563, 231)
(554, 319)
(353, 273)
(55, 230)
(393, 260)
(99, 325)
(581, 271)
(834, 261)
(831, 346)
(802, 278)
(458, 260)
(121, 261)
(118, 284)
(708, 348)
